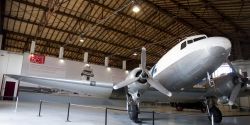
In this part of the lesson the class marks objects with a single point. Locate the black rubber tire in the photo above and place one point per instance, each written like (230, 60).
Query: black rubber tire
(179, 107)
(133, 112)
(216, 113)
(203, 109)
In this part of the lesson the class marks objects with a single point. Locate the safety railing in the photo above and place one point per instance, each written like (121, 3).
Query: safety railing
(106, 109)
(86, 106)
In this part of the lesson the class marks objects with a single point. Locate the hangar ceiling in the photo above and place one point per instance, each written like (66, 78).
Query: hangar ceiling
(110, 28)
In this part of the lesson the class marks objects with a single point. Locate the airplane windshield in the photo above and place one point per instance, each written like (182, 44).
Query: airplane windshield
(183, 45)
(199, 38)
(190, 41)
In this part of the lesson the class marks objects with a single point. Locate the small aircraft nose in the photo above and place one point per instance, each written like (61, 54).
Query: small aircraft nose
(222, 42)
(219, 42)
(226, 43)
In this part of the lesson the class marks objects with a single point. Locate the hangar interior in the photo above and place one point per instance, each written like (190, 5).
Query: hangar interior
(101, 40)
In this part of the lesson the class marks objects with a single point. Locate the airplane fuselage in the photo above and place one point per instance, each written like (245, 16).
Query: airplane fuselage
(190, 60)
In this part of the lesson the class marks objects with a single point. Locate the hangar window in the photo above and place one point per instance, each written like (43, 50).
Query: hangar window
(199, 38)
(190, 41)
(183, 45)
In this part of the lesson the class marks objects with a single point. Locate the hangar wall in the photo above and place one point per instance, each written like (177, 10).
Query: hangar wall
(53, 68)
(10, 63)
(13, 63)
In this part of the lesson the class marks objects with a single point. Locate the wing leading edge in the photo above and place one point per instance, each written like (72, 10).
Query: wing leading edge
(90, 88)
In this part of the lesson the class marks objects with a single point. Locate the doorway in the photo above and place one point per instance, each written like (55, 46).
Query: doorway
(9, 90)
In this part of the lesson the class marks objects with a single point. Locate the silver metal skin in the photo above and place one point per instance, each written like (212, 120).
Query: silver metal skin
(186, 71)
(90, 88)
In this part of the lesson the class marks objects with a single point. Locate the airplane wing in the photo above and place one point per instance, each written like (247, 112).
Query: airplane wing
(224, 85)
(90, 88)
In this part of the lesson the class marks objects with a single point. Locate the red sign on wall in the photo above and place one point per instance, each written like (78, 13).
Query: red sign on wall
(39, 59)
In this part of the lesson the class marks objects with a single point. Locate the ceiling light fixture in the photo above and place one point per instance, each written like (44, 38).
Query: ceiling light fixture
(135, 54)
(81, 40)
(136, 8)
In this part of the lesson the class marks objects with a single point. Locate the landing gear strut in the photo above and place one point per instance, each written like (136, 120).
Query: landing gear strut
(213, 110)
(132, 108)
(216, 114)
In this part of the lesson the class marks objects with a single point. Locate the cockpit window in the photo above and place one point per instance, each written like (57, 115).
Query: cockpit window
(199, 38)
(190, 41)
(183, 45)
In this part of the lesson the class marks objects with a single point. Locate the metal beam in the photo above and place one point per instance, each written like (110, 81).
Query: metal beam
(88, 37)
(52, 54)
(197, 16)
(2, 12)
(131, 64)
(59, 43)
(73, 51)
(101, 25)
(225, 18)
(128, 16)
(174, 17)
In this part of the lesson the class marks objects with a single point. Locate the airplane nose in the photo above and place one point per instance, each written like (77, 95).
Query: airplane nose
(225, 43)
(222, 42)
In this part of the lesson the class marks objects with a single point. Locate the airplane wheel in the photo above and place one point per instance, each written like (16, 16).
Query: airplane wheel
(133, 112)
(216, 113)
(179, 108)
(203, 109)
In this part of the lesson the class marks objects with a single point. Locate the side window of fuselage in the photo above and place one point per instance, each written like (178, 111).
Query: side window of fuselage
(183, 45)
(199, 38)
(189, 41)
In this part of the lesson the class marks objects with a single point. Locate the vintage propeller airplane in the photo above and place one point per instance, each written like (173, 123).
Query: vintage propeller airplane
(174, 75)
(193, 59)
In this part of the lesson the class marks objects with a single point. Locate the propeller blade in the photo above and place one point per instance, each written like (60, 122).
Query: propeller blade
(125, 83)
(234, 94)
(234, 70)
(158, 86)
(143, 59)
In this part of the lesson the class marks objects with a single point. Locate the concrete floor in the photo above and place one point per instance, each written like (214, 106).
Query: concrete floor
(56, 114)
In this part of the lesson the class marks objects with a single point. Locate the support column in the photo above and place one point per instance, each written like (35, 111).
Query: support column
(106, 63)
(85, 58)
(124, 65)
(61, 52)
(32, 47)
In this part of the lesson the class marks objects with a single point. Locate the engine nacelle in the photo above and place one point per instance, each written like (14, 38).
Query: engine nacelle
(223, 87)
(137, 88)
